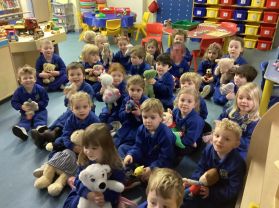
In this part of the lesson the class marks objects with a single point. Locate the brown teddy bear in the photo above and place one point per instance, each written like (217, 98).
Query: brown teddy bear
(48, 68)
(208, 74)
(93, 74)
(70, 90)
(226, 68)
(32, 106)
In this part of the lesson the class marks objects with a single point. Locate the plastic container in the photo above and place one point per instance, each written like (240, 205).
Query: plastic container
(270, 17)
(107, 10)
(251, 29)
(200, 1)
(267, 31)
(62, 9)
(226, 13)
(212, 12)
(240, 28)
(227, 2)
(258, 3)
(264, 44)
(272, 4)
(243, 2)
(239, 14)
(185, 25)
(250, 42)
(254, 15)
(123, 10)
(212, 1)
(199, 11)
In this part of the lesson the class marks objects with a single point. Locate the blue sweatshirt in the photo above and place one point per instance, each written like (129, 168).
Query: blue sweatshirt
(118, 57)
(139, 69)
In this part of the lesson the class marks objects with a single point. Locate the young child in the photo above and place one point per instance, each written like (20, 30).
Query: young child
(118, 74)
(163, 84)
(76, 74)
(89, 37)
(121, 56)
(97, 148)
(29, 91)
(222, 154)
(213, 52)
(100, 40)
(152, 48)
(164, 189)
(245, 112)
(138, 65)
(130, 118)
(47, 56)
(154, 147)
(188, 121)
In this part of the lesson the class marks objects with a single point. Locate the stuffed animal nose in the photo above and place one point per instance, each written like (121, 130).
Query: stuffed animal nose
(102, 185)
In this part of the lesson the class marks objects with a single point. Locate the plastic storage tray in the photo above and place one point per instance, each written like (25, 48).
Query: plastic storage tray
(270, 17)
(185, 25)
(239, 14)
(199, 11)
(264, 45)
(212, 1)
(251, 29)
(243, 2)
(250, 42)
(267, 31)
(227, 2)
(254, 15)
(240, 28)
(226, 13)
(258, 3)
(212, 12)
(272, 4)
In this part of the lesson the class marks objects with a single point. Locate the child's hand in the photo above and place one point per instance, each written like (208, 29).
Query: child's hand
(186, 182)
(77, 149)
(25, 108)
(151, 81)
(44, 75)
(55, 73)
(96, 197)
(128, 160)
(230, 96)
(204, 191)
(136, 112)
(146, 174)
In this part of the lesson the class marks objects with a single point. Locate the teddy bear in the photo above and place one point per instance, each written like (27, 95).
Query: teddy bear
(95, 178)
(208, 74)
(48, 68)
(93, 74)
(149, 59)
(209, 178)
(106, 54)
(69, 90)
(32, 106)
(226, 69)
(148, 89)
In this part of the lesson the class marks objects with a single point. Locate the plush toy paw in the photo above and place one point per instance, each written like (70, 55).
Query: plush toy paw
(42, 182)
(55, 189)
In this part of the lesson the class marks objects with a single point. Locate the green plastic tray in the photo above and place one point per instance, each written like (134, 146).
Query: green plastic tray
(185, 25)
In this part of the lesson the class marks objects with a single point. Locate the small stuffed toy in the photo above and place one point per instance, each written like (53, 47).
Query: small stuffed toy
(106, 54)
(89, 37)
(208, 75)
(148, 89)
(139, 171)
(167, 23)
(32, 106)
(70, 90)
(131, 106)
(149, 59)
(129, 48)
(47, 68)
(226, 69)
(209, 178)
(93, 74)
(95, 178)
(227, 88)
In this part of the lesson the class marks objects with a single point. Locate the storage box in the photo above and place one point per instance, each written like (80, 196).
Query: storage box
(251, 29)
(239, 14)
(212, 12)
(107, 10)
(199, 11)
(258, 3)
(226, 13)
(124, 11)
(267, 31)
(264, 44)
(212, 1)
(243, 2)
(240, 28)
(227, 2)
(250, 43)
(200, 1)
(254, 15)
(270, 17)
(273, 4)
(185, 25)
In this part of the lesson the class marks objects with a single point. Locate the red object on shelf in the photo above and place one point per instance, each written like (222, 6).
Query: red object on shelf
(273, 4)
(226, 13)
(153, 7)
(227, 2)
(107, 10)
(267, 31)
(270, 17)
(124, 10)
(264, 45)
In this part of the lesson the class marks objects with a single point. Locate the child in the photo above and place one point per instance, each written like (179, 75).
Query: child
(163, 84)
(120, 56)
(118, 74)
(89, 37)
(152, 48)
(138, 65)
(47, 56)
(100, 40)
(245, 112)
(29, 91)
(222, 154)
(164, 189)
(213, 52)
(76, 74)
(154, 147)
(130, 118)
(188, 121)
(97, 148)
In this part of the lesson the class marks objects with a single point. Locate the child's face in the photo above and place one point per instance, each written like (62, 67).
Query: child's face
(117, 77)
(76, 76)
(100, 43)
(224, 141)
(94, 153)
(93, 58)
(47, 50)
(239, 80)
(151, 49)
(135, 92)
(136, 60)
(212, 55)
(179, 38)
(122, 45)
(186, 103)
(151, 120)
(188, 84)
(235, 49)
(81, 108)
(156, 201)
(245, 103)
(27, 80)
(162, 68)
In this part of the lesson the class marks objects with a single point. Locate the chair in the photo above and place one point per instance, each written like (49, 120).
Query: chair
(154, 31)
(141, 26)
(203, 46)
(85, 27)
(113, 27)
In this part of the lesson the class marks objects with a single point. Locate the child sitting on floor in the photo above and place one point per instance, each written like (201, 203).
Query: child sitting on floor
(153, 51)
(138, 65)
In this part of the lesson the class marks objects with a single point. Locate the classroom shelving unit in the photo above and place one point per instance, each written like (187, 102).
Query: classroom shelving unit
(10, 11)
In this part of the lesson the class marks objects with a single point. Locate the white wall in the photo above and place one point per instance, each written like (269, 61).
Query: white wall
(26, 6)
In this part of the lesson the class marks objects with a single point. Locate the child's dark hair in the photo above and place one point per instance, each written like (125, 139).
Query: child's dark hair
(239, 39)
(75, 65)
(136, 80)
(164, 59)
(117, 67)
(98, 135)
(247, 71)
(213, 47)
(180, 32)
(152, 42)
(138, 51)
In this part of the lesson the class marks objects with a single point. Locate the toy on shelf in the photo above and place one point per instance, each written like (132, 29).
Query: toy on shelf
(12, 37)
(52, 26)
(3, 33)
(100, 15)
(26, 26)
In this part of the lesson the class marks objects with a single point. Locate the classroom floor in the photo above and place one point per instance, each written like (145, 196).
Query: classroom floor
(19, 159)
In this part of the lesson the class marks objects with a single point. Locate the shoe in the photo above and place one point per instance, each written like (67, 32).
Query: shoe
(205, 91)
(39, 171)
(42, 128)
(131, 181)
(20, 132)
(39, 141)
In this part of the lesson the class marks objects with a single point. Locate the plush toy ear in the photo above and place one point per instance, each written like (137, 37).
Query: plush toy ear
(217, 60)
(169, 110)
(82, 175)
(106, 168)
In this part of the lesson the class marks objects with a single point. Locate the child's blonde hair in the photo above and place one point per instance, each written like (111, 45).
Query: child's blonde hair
(189, 91)
(214, 47)
(136, 80)
(100, 38)
(45, 42)
(98, 135)
(191, 76)
(76, 97)
(26, 69)
(254, 92)
(229, 125)
(166, 183)
(87, 50)
(179, 32)
(122, 38)
(117, 67)
(138, 51)
(89, 37)
(154, 105)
